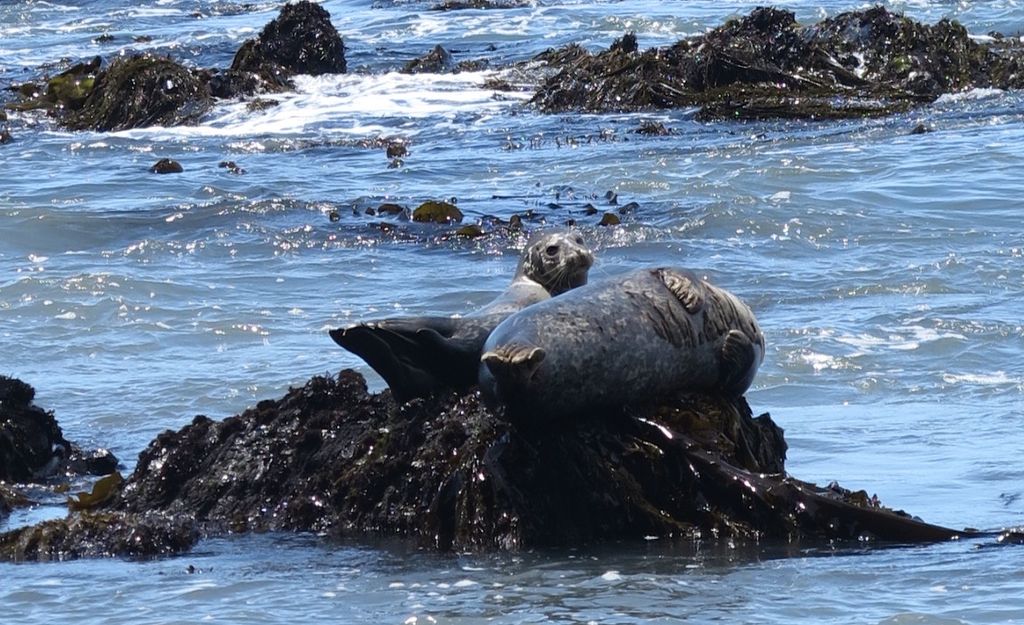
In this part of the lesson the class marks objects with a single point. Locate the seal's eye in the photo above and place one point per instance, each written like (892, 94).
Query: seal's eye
(579, 240)
(551, 250)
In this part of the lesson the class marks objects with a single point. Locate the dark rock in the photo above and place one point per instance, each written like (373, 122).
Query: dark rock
(31, 442)
(138, 91)
(920, 129)
(334, 459)
(436, 61)
(3, 116)
(100, 534)
(166, 166)
(629, 208)
(300, 40)
(5, 136)
(653, 129)
(231, 166)
(609, 219)
(104, 38)
(261, 104)
(860, 63)
(437, 212)
(32, 446)
(471, 231)
(390, 209)
(397, 149)
(142, 38)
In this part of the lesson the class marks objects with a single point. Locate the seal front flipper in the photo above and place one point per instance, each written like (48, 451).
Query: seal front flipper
(739, 359)
(684, 287)
(513, 365)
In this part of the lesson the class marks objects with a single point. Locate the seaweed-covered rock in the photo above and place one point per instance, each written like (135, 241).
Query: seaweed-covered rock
(31, 442)
(331, 457)
(436, 61)
(138, 91)
(300, 40)
(765, 64)
(33, 448)
(101, 534)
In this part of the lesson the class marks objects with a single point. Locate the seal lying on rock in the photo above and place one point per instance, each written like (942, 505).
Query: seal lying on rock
(639, 338)
(419, 356)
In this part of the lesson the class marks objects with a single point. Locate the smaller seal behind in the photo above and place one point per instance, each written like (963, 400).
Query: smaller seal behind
(419, 356)
(635, 339)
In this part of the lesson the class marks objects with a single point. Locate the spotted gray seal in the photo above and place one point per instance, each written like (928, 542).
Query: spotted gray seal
(418, 356)
(637, 338)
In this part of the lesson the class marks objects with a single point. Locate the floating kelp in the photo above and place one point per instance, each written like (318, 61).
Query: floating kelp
(860, 63)
(103, 491)
(438, 212)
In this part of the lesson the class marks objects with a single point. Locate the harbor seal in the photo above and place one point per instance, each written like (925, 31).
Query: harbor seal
(638, 338)
(419, 356)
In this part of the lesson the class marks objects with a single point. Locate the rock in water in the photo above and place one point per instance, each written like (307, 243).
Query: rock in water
(139, 91)
(32, 446)
(301, 40)
(332, 458)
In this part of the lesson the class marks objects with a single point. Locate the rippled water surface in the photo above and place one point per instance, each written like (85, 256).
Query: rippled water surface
(887, 270)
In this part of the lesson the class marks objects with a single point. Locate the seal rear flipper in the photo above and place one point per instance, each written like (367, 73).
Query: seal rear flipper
(740, 358)
(514, 364)
(396, 356)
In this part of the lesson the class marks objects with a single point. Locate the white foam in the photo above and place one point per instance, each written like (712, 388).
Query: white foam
(354, 104)
(972, 94)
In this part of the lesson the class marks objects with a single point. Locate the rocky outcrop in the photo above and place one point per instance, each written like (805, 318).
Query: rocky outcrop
(300, 40)
(32, 446)
(859, 63)
(148, 90)
(332, 458)
(141, 90)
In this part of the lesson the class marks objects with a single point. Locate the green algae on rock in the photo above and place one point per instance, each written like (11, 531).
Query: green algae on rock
(139, 91)
(437, 212)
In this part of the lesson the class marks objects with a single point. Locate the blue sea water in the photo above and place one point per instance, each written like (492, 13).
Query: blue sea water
(887, 270)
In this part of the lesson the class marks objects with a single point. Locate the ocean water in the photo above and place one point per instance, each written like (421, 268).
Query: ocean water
(887, 270)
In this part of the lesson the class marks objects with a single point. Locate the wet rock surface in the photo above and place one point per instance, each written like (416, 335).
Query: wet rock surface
(301, 40)
(332, 458)
(32, 446)
(142, 90)
(860, 63)
(138, 91)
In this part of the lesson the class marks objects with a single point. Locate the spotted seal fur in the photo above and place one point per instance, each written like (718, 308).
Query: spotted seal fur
(637, 338)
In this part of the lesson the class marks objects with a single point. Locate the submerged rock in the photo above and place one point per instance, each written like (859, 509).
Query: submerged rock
(434, 211)
(138, 91)
(332, 458)
(166, 166)
(859, 63)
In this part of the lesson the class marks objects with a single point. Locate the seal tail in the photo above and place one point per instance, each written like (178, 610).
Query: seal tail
(409, 355)
(513, 365)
